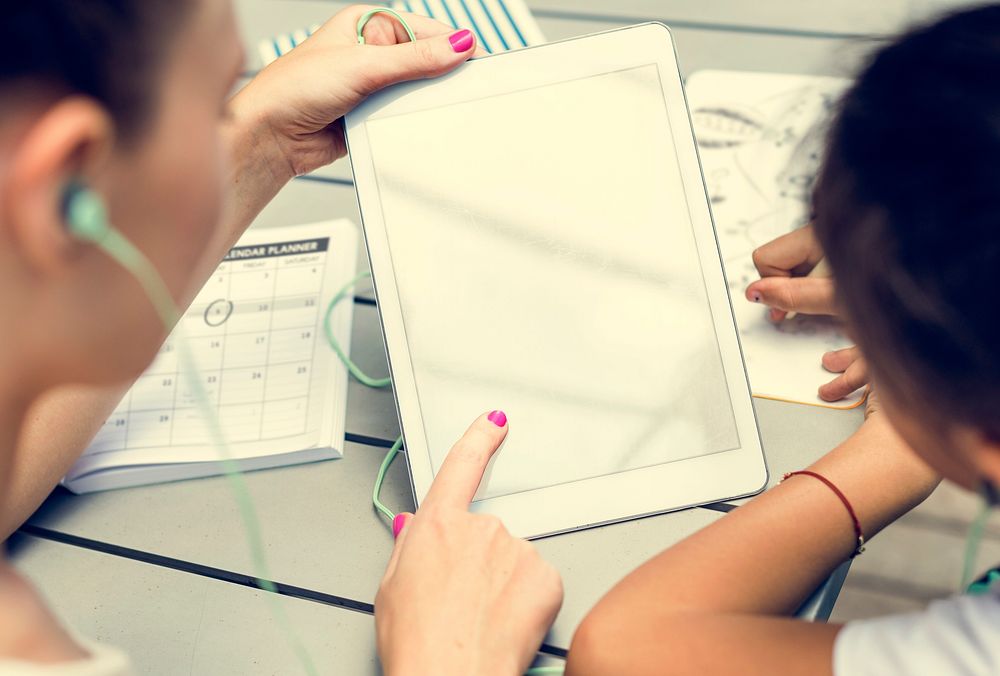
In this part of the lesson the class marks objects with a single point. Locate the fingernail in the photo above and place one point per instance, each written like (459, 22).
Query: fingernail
(755, 296)
(397, 525)
(461, 41)
(498, 418)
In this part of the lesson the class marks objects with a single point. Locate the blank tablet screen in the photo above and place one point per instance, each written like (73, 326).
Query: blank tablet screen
(546, 265)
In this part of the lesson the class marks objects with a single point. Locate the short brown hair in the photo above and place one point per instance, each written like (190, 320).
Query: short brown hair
(106, 49)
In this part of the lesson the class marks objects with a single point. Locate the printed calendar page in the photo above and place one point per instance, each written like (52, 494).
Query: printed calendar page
(256, 333)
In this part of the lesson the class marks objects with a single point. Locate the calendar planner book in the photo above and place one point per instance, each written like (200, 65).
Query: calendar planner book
(256, 332)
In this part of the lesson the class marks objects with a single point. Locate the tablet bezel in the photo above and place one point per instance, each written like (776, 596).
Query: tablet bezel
(605, 499)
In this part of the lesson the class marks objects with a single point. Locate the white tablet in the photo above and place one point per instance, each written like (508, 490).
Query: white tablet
(541, 242)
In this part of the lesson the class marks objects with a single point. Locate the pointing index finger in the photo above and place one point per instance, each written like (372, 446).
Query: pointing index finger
(810, 295)
(462, 471)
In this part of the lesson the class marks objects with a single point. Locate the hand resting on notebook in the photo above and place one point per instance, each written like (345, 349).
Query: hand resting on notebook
(786, 286)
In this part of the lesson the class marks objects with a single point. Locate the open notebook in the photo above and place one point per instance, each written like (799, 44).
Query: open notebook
(760, 138)
(256, 332)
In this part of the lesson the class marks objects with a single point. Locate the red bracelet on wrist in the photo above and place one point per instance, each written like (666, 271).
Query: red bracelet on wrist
(858, 534)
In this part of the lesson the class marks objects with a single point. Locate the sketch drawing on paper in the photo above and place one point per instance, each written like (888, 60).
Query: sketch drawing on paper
(760, 138)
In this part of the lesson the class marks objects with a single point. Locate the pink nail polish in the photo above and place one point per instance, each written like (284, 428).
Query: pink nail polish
(397, 525)
(461, 41)
(498, 418)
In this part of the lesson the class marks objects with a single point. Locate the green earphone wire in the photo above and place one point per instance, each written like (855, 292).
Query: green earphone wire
(364, 379)
(367, 16)
(360, 375)
(972, 541)
(88, 221)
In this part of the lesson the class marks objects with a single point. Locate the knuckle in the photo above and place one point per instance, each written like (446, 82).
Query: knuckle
(552, 578)
(854, 378)
(529, 555)
(557, 590)
(785, 296)
(490, 524)
(435, 524)
(424, 55)
(841, 384)
(381, 594)
(469, 450)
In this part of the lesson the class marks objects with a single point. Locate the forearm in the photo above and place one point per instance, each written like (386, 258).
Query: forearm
(764, 558)
(62, 422)
(787, 540)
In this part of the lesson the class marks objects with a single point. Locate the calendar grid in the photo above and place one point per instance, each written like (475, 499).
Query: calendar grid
(253, 332)
(290, 435)
(275, 400)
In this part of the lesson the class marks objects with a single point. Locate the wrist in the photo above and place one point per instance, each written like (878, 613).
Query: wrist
(449, 658)
(255, 150)
(879, 473)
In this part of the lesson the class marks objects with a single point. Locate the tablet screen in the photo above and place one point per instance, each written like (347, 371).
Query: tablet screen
(546, 265)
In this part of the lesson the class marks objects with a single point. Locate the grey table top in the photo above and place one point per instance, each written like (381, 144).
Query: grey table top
(167, 565)
(171, 622)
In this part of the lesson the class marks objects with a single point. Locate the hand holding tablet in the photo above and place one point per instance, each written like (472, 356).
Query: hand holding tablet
(578, 283)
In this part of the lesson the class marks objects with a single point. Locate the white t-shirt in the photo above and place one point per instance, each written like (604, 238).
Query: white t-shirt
(956, 636)
(103, 661)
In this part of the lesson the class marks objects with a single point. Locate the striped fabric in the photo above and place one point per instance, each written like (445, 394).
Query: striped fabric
(499, 25)
(271, 48)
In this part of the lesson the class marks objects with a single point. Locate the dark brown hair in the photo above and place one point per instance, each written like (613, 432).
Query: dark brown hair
(907, 212)
(110, 50)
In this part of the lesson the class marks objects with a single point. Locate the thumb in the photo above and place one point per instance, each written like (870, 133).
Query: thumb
(424, 58)
(399, 531)
(399, 523)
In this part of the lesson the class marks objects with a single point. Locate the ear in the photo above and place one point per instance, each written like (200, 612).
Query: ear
(72, 140)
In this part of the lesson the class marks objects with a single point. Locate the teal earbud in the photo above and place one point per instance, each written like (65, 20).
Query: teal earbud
(84, 212)
(87, 220)
(991, 498)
